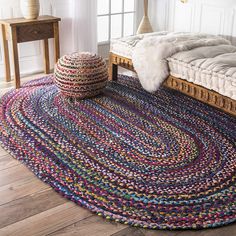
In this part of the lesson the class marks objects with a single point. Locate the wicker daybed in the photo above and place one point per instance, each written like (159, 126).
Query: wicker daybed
(198, 92)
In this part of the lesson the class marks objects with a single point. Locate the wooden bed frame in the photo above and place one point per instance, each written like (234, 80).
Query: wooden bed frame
(200, 93)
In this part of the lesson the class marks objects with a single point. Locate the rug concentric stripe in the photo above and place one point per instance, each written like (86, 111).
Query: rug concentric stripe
(158, 161)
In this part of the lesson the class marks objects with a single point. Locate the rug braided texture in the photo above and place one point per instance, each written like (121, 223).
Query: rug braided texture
(158, 161)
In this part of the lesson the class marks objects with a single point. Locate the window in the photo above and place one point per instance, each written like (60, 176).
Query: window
(116, 18)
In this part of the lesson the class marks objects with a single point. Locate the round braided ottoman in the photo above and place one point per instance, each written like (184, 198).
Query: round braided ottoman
(81, 75)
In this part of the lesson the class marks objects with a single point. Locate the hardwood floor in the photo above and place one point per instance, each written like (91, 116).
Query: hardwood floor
(29, 207)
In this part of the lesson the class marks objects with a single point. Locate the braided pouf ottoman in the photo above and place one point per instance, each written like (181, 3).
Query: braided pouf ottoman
(81, 75)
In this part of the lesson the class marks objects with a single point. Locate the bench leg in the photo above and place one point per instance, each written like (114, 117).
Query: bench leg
(113, 68)
(113, 72)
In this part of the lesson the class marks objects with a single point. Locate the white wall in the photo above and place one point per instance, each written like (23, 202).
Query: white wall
(31, 53)
(158, 13)
(208, 16)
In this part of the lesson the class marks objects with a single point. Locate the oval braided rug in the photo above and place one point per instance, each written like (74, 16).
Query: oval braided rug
(160, 161)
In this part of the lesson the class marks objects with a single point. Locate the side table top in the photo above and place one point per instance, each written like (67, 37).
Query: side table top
(23, 21)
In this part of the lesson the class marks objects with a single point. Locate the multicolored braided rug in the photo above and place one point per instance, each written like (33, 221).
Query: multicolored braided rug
(158, 161)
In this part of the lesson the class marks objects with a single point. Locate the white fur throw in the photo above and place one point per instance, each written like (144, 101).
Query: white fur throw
(150, 54)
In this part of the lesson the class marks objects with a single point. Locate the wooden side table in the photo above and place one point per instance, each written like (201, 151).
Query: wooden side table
(21, 30)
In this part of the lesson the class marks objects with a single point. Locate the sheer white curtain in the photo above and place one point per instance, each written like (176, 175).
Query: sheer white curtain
(85, 25)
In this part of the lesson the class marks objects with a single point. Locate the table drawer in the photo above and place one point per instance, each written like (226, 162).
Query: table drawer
(27, 33)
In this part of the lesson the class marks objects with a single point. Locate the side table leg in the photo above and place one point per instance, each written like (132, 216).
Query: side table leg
(15, 57)
(56, 41)
(6, 54)
(46, 57)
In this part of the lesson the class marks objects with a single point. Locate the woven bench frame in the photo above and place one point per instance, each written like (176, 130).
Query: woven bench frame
(200, 93)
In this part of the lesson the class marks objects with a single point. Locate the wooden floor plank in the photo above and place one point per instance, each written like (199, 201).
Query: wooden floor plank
(47, 222)
(3, 152)
(28, 206)
(14, 174)
(21, 188)
(159, 232)
(6, 161)
(130, 231)
(229, 230)
(94, 225)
